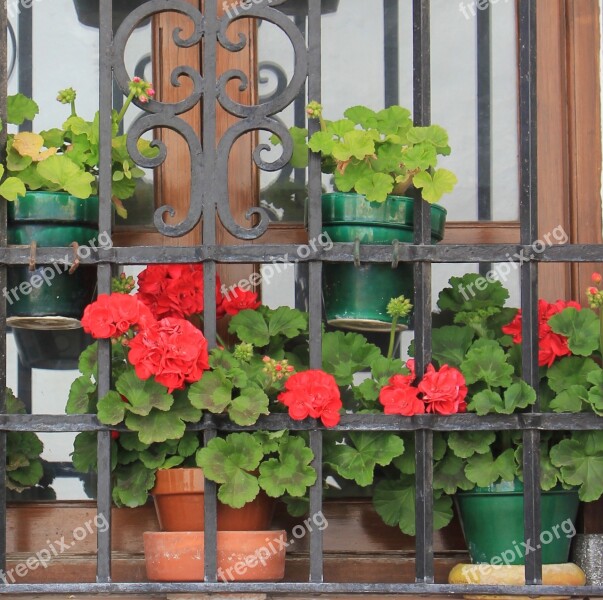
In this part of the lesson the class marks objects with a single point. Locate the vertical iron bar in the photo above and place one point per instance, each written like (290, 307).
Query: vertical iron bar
(3, 243)
(24, 384)
(484, 119)
(210, 508)
(422, 285)
(529, 275)
(209, 196)
(103, 567)
(315, 278)
(25, 51)
(391, 49)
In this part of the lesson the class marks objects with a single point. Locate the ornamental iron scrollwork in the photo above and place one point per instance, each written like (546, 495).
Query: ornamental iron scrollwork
(210, 159)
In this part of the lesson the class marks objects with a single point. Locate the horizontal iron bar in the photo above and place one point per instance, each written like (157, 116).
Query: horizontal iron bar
(407, 589)
(469, 422)
(296, 253)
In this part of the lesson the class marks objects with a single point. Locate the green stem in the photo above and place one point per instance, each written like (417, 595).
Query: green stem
(601, 331)
(220, 340)
(73, 111)
(125, 107)
(392, 337)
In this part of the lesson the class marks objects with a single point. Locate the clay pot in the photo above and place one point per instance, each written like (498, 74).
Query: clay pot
(241, 555)
(178, 496)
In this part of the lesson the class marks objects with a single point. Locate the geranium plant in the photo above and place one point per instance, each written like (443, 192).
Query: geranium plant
(25, 469)
(66, 158)
(164, 378)
(477, 368)
(377, 153)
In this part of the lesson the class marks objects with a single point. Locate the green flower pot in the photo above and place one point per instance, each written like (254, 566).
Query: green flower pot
(51, 219)
(492, 522)
(357, 297)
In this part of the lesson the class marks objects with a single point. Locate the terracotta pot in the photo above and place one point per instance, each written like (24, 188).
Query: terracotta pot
(178, 496)
(242, 555)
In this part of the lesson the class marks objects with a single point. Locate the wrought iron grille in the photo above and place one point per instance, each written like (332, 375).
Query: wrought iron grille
(209, 199)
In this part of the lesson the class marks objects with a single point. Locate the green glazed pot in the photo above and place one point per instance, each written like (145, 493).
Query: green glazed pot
(492, 522)
(51, 219)
(357, 297)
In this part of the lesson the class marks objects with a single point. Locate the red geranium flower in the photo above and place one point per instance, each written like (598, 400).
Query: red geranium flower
(174, 290)
(550, 344)
(401, 398)
(444, 391)
(112, 316)
(238, 299)
(173, 350)
(312, 394)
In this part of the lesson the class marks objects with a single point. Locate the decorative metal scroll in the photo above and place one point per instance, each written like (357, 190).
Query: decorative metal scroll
(209, 162)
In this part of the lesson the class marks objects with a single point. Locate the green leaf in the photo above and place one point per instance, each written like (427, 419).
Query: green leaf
(88, 361)
(435, 186)
(29, 475)
(344, 354)
(394, 119)
(595, 393)
(291, 473)
(132, 485)
(420, 156)
(357, 461)
(569, 371)
(450, 344)
(354, 172)
(213, 392)
(570, 400)
(376, 187)
(465, 444)
(487, 361)
(483, 469)
(189, 444)
(464, 295)
(79, 402)
(157, 426)
(518, 395)
(143, 396)
(580, 327)
(449, 476)
(20, 108)
(322, 141)
(229, 461)
(354, 144)
(84, 452)
(581, 463)
(361, 115)
(434, 134)
(53, 138)
(341, 127)
(11, 188)
(287, 321)
(66, 174)
(250, 327)
(299, 159)
(394, 501)
(111, 409)
(246, 408)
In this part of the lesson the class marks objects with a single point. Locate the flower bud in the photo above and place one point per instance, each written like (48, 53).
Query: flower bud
(67, 96)
(596, 278)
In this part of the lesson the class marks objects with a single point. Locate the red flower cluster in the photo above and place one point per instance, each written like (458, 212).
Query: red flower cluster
(238, 299)
(173, 350)
(177, 291)
(312, 394)
(550, 344)
(442, 392)
(174, 290)
(112, 316)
